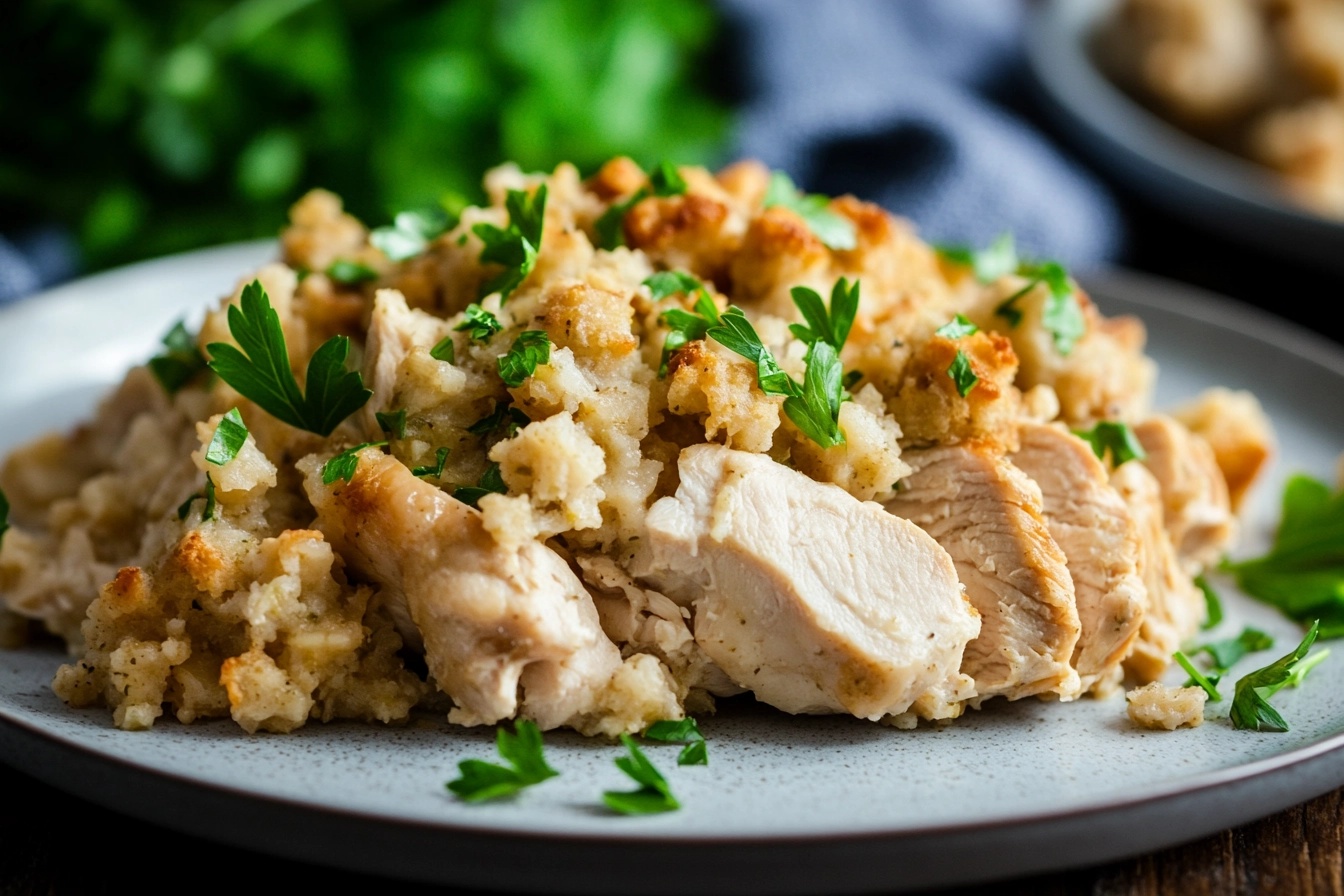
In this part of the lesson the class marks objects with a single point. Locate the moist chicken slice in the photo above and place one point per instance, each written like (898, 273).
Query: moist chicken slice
(505, 631)
(1093, 526)
(989, 517)
(394, 329)
(1196, 507)
(1175, 606)
(811, 599)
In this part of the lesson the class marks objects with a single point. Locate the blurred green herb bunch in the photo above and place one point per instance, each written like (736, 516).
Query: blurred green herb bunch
(151, 126)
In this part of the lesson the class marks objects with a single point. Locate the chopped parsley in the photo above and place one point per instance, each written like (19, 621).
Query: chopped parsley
(989, 264)
(514, 247)
(532, 347)
(343, 465)
(208, 513)
(522, 750)
(392, 422)
(1207, 682)
(435, 469)
(505, 417)
(1250, 706)
(351, 273)
(444, 350)
(653, 796)
(180, 362)
(1062, 317)
(411, 232)
(228, 439)
(480, 325)
(683, 326)
(1226, 653)
(960, 370)
(1213, 606)
(956, 328)
(664, 180)
(1113, 438)
(681, 731)
(4, 515)
(260, 370)
(670, 283)
(833, 229)
(1303, 572)
(490, 483)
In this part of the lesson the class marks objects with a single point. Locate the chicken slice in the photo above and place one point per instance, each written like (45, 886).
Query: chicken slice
(1196, 508)
(811, 599)
(394, 329)
(988, 515)
(505, 631)
(1092, 525)
(1175, 606)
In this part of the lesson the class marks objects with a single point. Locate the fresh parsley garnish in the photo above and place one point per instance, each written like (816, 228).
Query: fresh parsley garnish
(411, 232)
(664, 180)
(4, 515)
(670, 283)
(351, 273)
(653, 796)
(1207, 682)
(1250, 706)
(435, 469)
(180, 362)
(1303, 573)
(530, 348)
(522, 750)
(444, 350)
(989, 264)
(504, 417)
(208, 513)
(1061, 317)
(956, 328)
(515, 247)
(832, 228)
(490, 483)
(1113, 438)
(228, 439)
(1213, 606)
(480, 325)
(343, 465)
(960, 370)
(830, 325)
(1226, 653)
(392, 422)
(261, 372)
(681, 731)
(683, 326)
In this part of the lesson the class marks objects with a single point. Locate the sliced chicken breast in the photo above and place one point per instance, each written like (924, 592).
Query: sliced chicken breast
(1196, 507)
(988, 515)
(811, 599)
(504, 631)
(1092, 525)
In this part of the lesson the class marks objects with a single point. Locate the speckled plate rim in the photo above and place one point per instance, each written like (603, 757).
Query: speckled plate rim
(1086, 831)
(1193, 179)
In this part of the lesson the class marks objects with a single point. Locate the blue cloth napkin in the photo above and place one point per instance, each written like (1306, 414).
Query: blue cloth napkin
(34, 261)
(892, 101)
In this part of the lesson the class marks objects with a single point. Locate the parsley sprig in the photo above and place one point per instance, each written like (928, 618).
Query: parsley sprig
(530, 348)
(961, 372)
(830, 325)
(260, 370)
(479, 325)
(833, 229)
(1207, 681)
(1061, 317)
(180, 362)
(653, 795)
(681, 731)
(411, 232)
(350, 273)
(989, 264)
(664, 180)
(522, 750)
(1250, 705)
(514, 247)
(1114, 438)
(228, 440)
(1213, 605)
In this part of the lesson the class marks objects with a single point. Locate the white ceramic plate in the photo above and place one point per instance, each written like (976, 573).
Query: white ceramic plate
(1195, 180)
(787, 804)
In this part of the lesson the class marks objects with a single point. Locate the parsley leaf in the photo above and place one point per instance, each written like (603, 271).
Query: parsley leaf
(228, 439)
(653, 796)
(411, 232)
(956, 328)
(4, 515)
(481, 780)
(490, 483)
(505, 417)
(516, 246)
(436, 469)
(736, 333)
(830, 325)
(209, 495)
(1213, 607)
(684, 326)
(480, 325)
(392, 422)
(532, 347)
(962, 374)
(1303, 572)
(444, 350)
(1226, 653)
(664, 180)
(180, 362)
(260, 371)
(989, 264)
(670, 283)
(1061, 317)
(681, 731)
(833, 229)
(343, 465)
(1117, 439)
(816, 411)
(1250, 706)
(1207, 682)
(350, 273)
